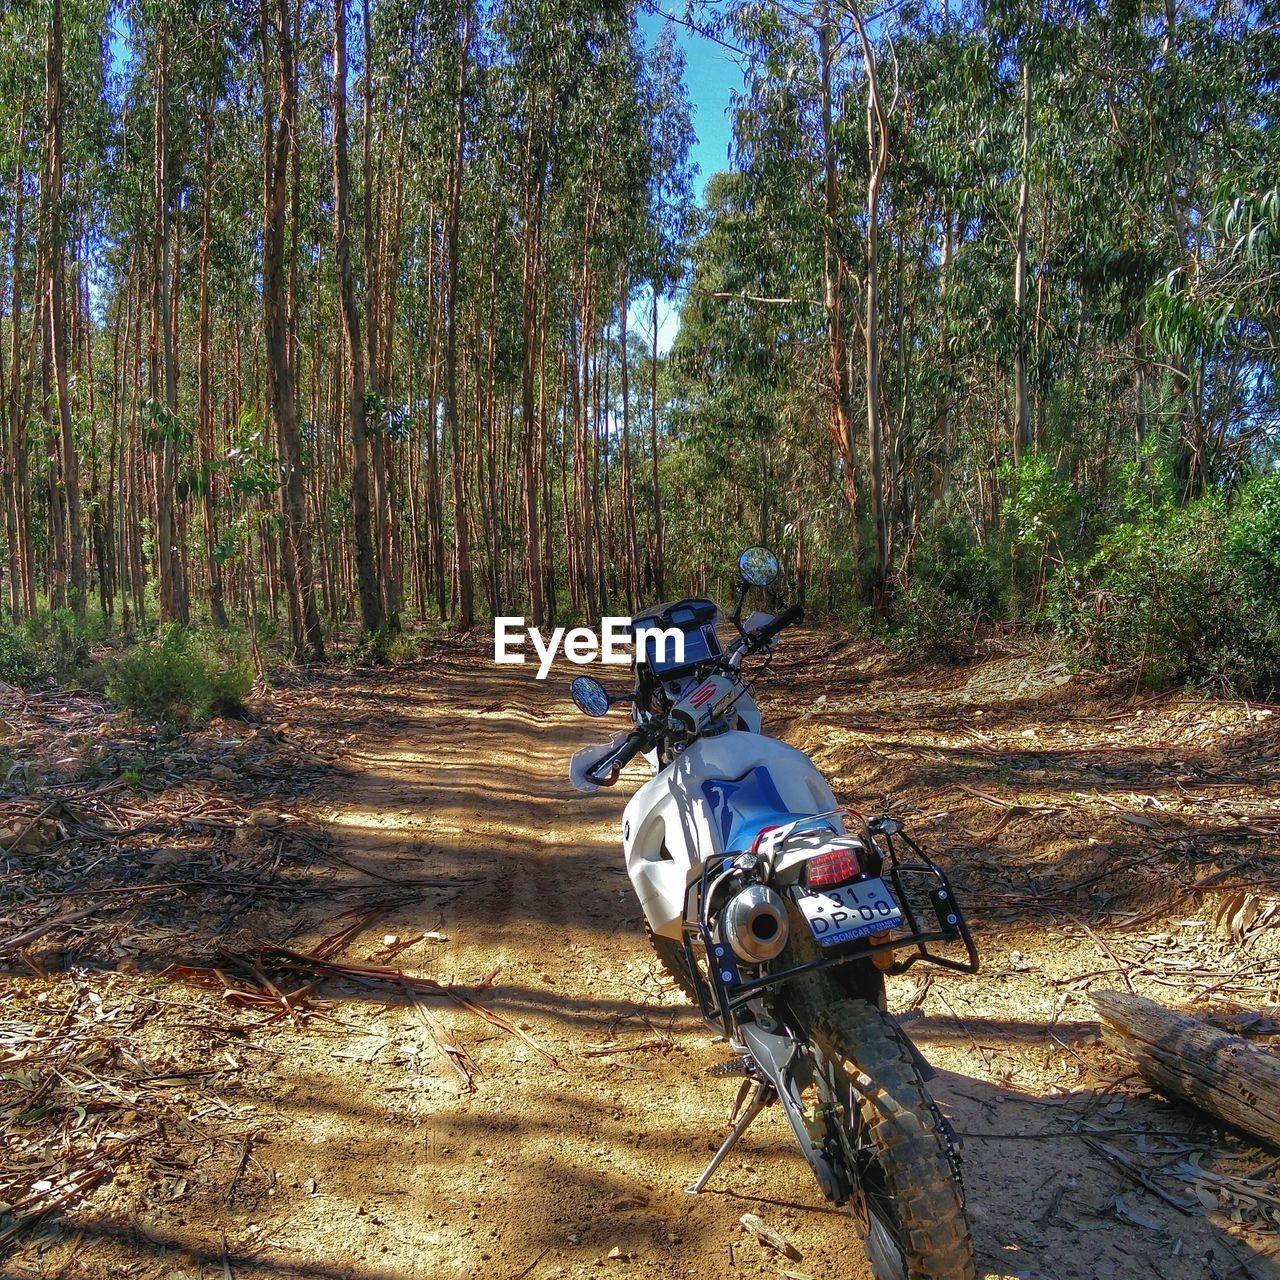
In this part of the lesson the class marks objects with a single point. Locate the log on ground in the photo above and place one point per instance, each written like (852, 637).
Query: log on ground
(1189, 1060)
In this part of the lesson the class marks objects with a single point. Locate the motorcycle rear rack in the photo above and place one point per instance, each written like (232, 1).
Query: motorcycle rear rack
(724, 987)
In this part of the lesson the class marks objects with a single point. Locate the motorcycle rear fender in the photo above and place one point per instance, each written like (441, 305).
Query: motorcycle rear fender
(667, 826)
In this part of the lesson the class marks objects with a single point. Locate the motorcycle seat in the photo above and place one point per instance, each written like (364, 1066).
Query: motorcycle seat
(743, 808)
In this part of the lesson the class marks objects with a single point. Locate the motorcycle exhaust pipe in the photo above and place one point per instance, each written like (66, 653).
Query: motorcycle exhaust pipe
(754, 924)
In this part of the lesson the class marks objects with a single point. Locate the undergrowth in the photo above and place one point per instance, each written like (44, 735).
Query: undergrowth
(178, 676)
(1182, 594)
(54, 644)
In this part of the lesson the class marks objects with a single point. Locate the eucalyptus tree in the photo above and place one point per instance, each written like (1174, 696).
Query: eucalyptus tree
(371, 613)
(20, 87)
(280, 123)
(672, 226)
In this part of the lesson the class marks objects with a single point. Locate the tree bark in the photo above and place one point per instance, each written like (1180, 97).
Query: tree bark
(1222, 1074)
(163, 360)
(659, 551)
(877, 160)
(833, 273)
(370, 593)
(1021, 425)
(304, 617)
(628, 497)
(531, 478)
(22, 598)
(453, 221)
(208, 495)
(57, 316)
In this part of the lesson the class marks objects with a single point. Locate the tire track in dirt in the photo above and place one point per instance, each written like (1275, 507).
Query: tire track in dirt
(373, 1164)
(543, 1168)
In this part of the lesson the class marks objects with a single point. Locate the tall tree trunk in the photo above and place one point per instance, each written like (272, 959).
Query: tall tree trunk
(628, 498)
(453, 220)
(304, 617)
(208, 494)
(529, 355)
(833, 273)
(373, 298)
(877, 161)
(164, 418)
(366, 568)
(1021, 425)
(57, 317)
(22, 597)
(659, 551)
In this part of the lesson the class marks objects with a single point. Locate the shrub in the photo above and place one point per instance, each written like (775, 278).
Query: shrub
(955, 589)
(967, 575)
(171, 678)
(924, 622)
(53, 642)
(385, 648)
(1253, 541)
(1182, 594)
(22, 662)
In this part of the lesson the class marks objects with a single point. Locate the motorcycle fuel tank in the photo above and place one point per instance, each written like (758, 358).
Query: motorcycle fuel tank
(713, 798)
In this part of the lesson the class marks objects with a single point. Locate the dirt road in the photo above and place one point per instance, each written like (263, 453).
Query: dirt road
(373, 1160)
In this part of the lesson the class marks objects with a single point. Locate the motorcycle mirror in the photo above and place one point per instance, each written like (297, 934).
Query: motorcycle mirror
(758, 566)
(589, 696)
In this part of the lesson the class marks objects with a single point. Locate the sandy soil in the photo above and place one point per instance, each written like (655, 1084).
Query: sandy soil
(349, 1146)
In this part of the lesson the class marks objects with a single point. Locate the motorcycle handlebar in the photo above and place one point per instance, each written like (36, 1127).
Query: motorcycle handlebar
(771, 629)
(604, 773)
(632, 745)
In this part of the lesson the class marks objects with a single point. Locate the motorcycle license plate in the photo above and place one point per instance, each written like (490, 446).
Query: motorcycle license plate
(851, 911)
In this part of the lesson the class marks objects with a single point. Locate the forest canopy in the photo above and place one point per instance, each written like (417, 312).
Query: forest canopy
(351, 314)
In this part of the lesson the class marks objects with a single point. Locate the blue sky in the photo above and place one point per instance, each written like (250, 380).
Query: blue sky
(712, 76)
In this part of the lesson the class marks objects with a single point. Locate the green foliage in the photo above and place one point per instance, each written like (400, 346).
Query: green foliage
(1036, 503)
(386, 648)
(176, 677)
(53, 643)
(956, 588)
(22, 662)
(969, 575)
(1253, 542)
(1183, 594)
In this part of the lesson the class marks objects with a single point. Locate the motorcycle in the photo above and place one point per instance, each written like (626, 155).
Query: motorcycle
(779, 912)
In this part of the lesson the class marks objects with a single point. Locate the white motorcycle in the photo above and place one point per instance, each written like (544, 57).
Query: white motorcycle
(779, 911)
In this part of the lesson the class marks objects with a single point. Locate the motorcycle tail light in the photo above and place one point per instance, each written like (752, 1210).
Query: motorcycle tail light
(830, 869)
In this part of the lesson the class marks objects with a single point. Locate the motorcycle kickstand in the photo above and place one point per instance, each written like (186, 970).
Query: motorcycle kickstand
(759, 1100)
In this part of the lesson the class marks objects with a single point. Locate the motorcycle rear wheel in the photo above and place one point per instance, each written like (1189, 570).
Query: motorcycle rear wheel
(908, 1203)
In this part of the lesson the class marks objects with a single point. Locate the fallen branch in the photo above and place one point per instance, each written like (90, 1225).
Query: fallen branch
(768, 1236)
(1127, 1166)
(456, 1056)
(602, 1050)
(38, 931)
(316, 965)
(1189, 1060)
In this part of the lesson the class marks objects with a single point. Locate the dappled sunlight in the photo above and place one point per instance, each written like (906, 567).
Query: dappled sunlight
(367, 820)
(539, 1110)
